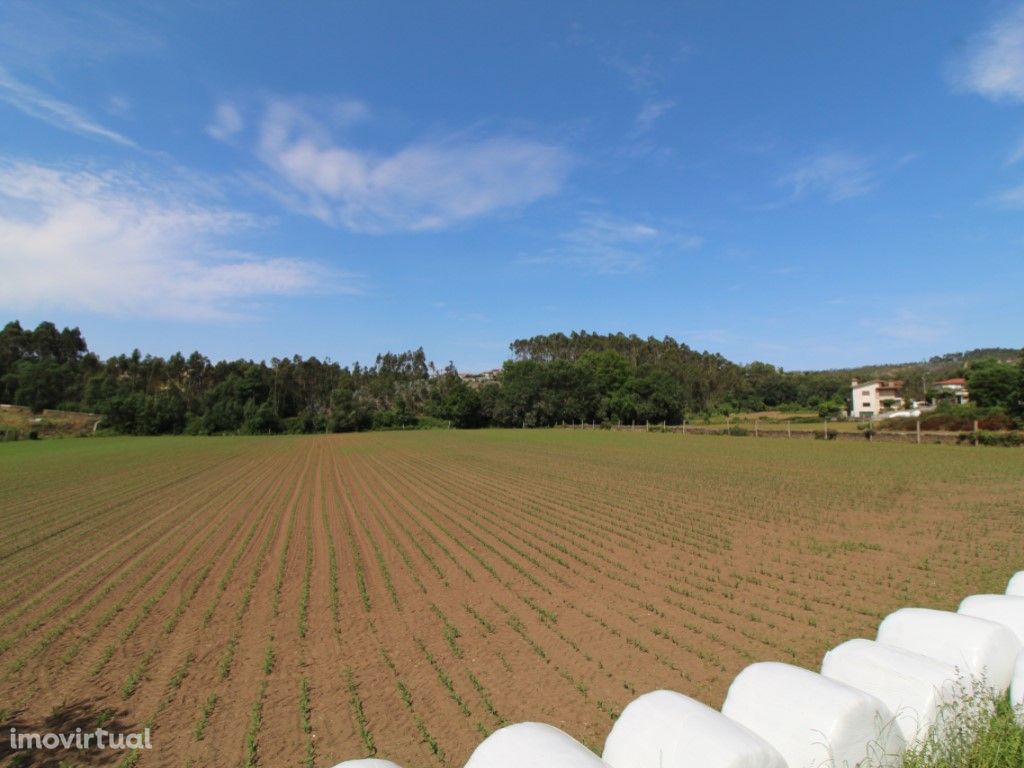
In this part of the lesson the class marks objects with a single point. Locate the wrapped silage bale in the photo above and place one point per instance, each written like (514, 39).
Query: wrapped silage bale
(814, 721)
(1016, 585)
(532, 745)
(1002, 609)
(979, 648)
(915, 688)
(367, 762)
(665, 729)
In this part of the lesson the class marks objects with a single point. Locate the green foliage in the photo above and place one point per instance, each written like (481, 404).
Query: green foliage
(832, 408)
(952, 418)
(1004, 439)
(980, 731)
(1017, 405)
(993, 384)
(599, 379)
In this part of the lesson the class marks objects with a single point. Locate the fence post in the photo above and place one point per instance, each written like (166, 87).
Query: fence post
(789, 429)
(975, 433)
(684, 426)
(647, 426)
(755, 427)
(826, 429)
(919, 430)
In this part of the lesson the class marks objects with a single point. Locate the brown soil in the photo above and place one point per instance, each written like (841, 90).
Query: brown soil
(417, 591)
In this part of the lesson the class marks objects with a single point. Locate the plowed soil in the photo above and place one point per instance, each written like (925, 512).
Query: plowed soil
(300, 601)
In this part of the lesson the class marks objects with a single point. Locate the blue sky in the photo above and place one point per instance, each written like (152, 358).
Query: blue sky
(810, 184)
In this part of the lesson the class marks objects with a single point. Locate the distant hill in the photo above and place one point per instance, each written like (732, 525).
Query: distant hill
(950, 359)
(934, 368)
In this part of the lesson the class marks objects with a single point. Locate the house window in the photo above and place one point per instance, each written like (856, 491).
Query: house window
(865, 405)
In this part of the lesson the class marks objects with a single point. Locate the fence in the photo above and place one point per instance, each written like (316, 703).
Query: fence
(826, 432)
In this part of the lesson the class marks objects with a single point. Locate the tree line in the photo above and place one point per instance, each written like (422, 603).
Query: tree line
(580, 377)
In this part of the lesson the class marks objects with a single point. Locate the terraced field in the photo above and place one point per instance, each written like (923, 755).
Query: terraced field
(297, 601)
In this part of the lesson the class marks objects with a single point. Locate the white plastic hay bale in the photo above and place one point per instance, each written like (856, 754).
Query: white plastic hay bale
(1016, 585)
(665, 729)
(979, 648)
(368, 762)
(1017, 688)
(1002, 609)
(532, 745)
(812, 720)
(914, 687)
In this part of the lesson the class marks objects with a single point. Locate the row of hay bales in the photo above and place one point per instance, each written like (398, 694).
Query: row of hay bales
(871, 700)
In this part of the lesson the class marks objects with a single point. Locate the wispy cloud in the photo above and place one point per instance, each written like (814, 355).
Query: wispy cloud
(836, 175)
(430, 184)
(53, 111)
(645, 76)
(994, 64)
(921, 324)
(1011, 198)
(613, 245)
(39, 36)
(118, 243)
(227, 121)
(1017, 154)
(651, 111)
(118, 105)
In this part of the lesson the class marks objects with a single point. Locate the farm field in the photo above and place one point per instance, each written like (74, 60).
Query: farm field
(303, 600)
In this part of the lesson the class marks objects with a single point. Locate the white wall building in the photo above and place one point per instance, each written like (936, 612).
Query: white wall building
(871, 398)
(957, 388)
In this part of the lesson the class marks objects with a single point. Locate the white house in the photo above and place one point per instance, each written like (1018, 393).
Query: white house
(957, 388)
(872, 398)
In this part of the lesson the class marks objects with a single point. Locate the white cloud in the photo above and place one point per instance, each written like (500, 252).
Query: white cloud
(612, 245)
(1017, 154)
(42, 36)
(836, 175)
(642, 74)
(651, 111)
(120, 244)
(119, 105)
(227, 121)
(1011, 198)
(994, 66)
(53, 111)
(427, 185)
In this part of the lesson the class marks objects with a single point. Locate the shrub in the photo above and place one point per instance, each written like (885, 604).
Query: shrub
(1002, 439)
(953, 418)
(979, 730)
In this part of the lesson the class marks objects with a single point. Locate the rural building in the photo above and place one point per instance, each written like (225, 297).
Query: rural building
(956, 388)
(872, 398)
(479, 379)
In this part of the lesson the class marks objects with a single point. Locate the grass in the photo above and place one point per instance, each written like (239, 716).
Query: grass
(983, 731)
